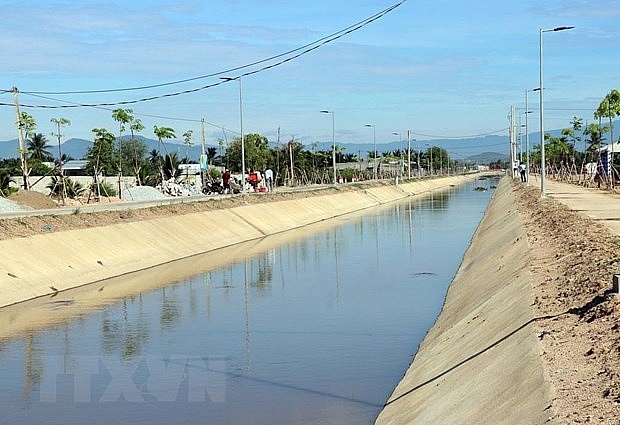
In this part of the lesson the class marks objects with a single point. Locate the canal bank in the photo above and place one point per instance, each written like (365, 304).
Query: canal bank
(481, 361)
(49, 262)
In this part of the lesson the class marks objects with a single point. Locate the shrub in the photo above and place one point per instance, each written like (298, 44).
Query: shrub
(5, 182)
(103, 189)
(59, 185)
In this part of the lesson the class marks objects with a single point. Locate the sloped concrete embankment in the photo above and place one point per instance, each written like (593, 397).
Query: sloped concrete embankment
(480, 363)
(41, 265)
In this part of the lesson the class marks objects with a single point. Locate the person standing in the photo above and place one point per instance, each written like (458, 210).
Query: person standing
(269, 179)
(523, 172)
(226, 181)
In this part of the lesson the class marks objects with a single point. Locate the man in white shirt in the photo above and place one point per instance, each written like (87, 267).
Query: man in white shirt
(269, 179)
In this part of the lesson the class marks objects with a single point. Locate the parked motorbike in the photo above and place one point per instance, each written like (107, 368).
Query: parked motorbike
(213, 188)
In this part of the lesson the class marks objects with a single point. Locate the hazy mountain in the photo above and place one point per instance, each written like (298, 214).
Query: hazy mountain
(76, 148)
(488, 157)
(493, 147)
(477, 149)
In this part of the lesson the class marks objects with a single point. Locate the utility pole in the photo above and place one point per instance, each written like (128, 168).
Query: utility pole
(290, 152)
(409, 154)
(203, 152)
(20, 138)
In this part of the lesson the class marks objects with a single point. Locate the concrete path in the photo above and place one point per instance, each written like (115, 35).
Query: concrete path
(598, 204)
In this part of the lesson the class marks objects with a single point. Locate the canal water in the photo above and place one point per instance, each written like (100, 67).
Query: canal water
(315, 330)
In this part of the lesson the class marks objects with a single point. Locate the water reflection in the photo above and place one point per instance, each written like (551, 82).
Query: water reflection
(319, 329)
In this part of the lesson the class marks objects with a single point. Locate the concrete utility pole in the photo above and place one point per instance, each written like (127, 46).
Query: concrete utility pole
(409, 154)
(290, 152)
(203, 152)
(20, 138)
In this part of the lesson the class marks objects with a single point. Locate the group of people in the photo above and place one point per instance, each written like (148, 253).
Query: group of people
(259, 182)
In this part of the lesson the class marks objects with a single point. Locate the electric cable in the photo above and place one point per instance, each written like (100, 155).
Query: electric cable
(300, 52)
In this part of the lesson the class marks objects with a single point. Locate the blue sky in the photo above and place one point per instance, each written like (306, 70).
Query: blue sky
(444, 68)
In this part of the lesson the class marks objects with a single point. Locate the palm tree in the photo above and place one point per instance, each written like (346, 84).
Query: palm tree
(38, 148)
(211, 153)
(170, 168)
(163, 133)
(63, 186)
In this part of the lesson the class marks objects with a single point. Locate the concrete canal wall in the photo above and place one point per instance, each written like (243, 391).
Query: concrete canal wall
(480, 363)
(44, 264)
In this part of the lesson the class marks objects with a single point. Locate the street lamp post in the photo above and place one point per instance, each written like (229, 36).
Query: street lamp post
(430, 162)
(543, 192)
(409, 154)
(333, 141)
(374, 138)
(401, 169)
(419, 163)
(527, 133)
(241, 124)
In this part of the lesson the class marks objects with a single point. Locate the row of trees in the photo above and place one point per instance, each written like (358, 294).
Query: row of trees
(125, 154)
(580, 143)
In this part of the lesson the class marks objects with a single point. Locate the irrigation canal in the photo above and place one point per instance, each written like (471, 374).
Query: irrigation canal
(317, 330)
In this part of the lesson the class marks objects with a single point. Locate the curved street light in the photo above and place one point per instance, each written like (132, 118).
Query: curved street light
(241, 124)
(374, 138)
(333, 140)
(543, 192)
(401, 169)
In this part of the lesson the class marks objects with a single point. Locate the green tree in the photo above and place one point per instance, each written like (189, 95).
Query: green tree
(5, 182)
(556, 148)
(187, 141)
(100, 156)
(594, 137)
(10, 165)
(26, 124)
(211, 153)
(38, 148)
(170, 167)
(163, 133)
(610, 108)
(122, 117)
(256, 149)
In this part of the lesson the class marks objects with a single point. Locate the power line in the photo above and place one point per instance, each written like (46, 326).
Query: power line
(463, 137)
(300, 51)
(330, 37)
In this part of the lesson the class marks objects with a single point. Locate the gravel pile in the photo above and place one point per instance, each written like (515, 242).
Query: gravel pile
(7, 206)
(142, 193)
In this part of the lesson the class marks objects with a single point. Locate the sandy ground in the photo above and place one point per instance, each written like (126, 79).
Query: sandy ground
(573, 259)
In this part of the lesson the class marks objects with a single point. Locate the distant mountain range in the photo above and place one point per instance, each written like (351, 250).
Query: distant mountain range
(481, 149)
